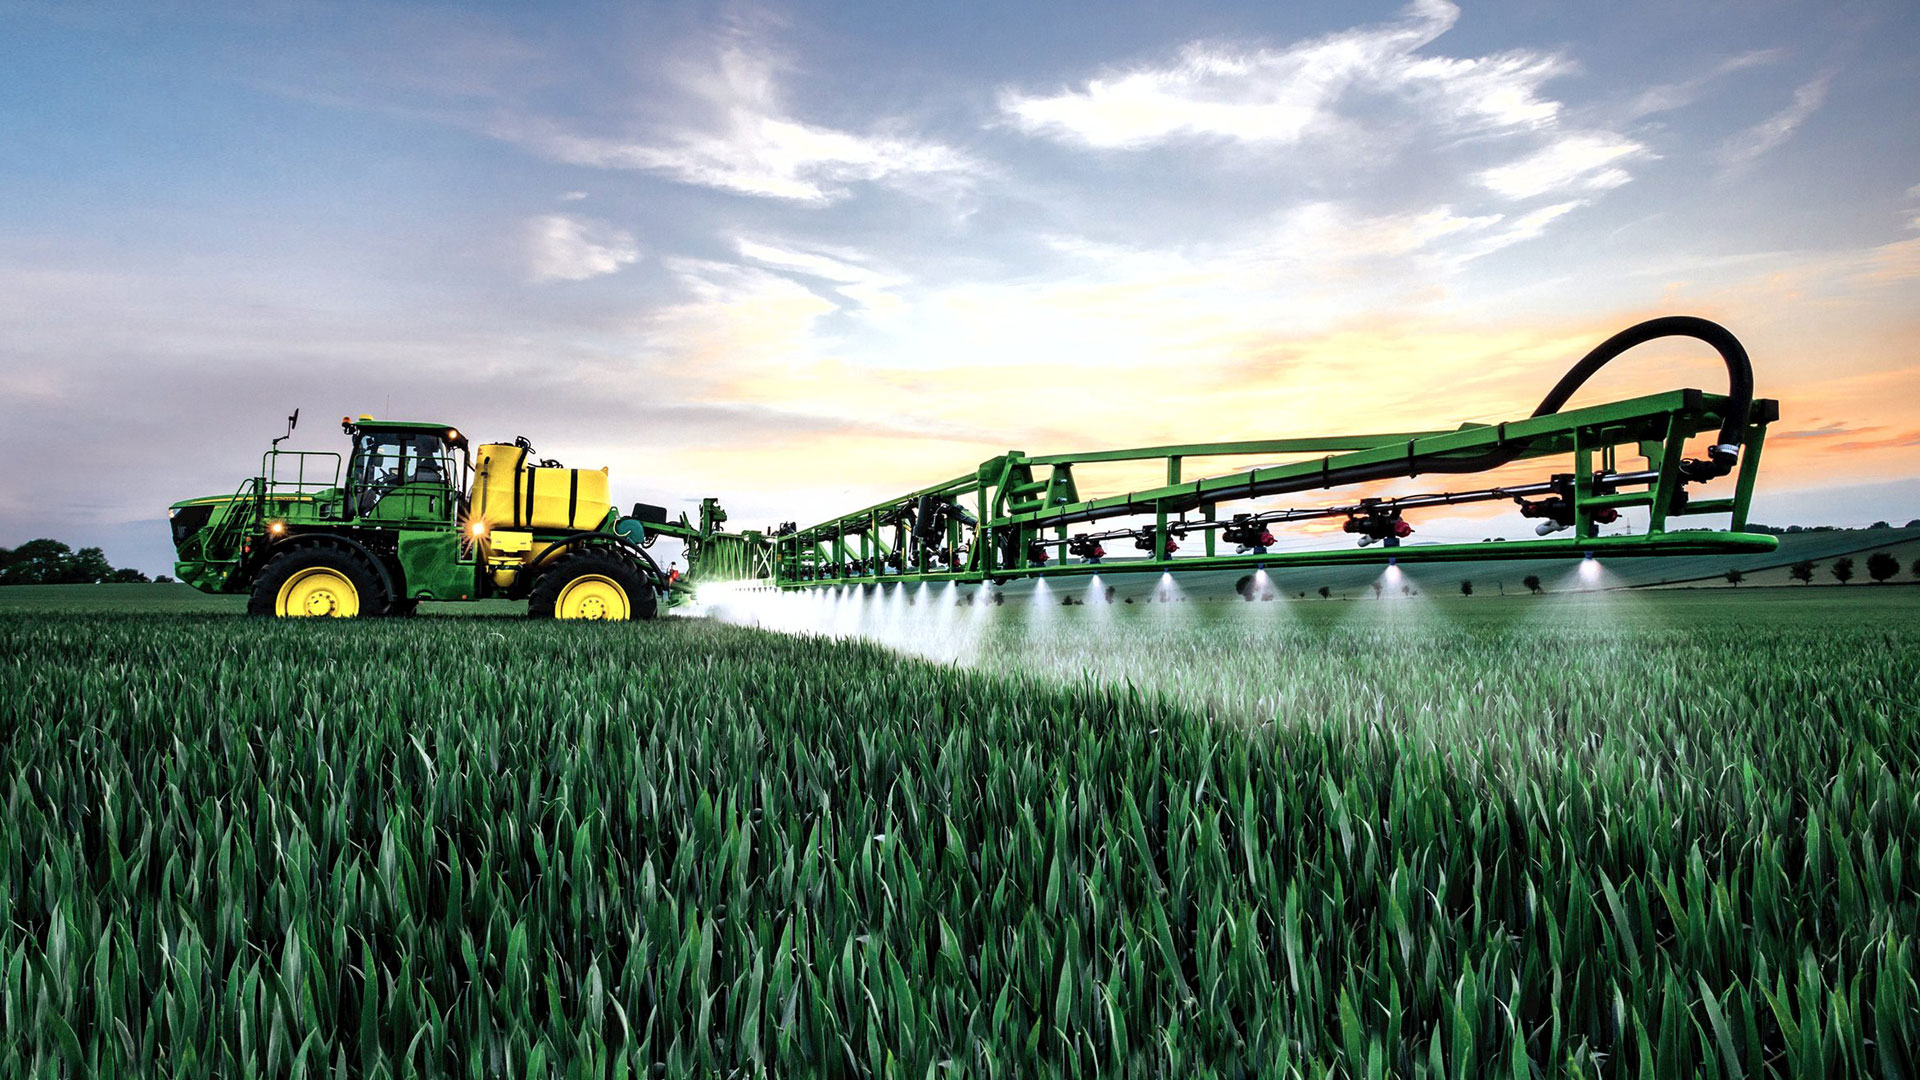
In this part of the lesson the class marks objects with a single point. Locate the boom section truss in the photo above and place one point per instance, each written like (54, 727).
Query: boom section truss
(1022, 516)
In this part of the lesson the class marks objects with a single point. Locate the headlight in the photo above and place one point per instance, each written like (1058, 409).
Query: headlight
(172, 512)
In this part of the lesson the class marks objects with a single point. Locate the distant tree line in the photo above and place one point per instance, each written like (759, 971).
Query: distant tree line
(1881, 566)
(50, 562)
(1790, 530)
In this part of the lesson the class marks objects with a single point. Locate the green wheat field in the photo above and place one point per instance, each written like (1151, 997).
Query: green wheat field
(1663, 835)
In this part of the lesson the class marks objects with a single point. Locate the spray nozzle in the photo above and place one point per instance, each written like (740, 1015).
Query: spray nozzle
(1378, 525)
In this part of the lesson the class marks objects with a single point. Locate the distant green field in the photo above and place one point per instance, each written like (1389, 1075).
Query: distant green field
(1632, 833)
(170, 597)
(173, 597)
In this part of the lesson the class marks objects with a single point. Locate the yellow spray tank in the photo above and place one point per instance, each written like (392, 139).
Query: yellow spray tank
(511, 498)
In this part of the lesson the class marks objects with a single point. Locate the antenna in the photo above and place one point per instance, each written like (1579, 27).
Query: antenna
(292, 422)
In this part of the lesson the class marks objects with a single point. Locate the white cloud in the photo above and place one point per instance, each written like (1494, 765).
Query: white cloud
(810, 263)
(1750, 145)
(1287, 95)
(1327, 233)
(1523, 228)
(869, 288)
(1667, 97)
(751, 145)
(1363, 98)
(1409, 245)
(1579, 161)
(573, 249)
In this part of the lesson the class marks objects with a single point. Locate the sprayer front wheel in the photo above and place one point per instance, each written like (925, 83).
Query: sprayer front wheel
(592, 585)
(317, 581)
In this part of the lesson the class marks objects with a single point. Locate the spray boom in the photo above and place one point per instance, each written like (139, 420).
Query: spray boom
(1009, 517)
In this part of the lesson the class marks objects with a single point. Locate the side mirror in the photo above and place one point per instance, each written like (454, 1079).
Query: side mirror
(292, 422)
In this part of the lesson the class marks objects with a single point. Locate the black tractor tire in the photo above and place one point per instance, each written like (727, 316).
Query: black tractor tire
(403, 609)
(373, 599)
(642, 602)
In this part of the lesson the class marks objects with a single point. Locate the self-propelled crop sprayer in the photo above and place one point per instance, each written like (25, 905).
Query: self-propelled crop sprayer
(418, 516)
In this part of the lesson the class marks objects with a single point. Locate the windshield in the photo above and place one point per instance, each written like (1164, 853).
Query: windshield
(388, 460)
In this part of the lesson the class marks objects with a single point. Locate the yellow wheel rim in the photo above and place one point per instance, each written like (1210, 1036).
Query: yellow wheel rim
(592, 596)
(317, 592)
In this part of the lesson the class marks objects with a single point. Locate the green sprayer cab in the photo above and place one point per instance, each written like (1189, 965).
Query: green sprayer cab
(412, 513)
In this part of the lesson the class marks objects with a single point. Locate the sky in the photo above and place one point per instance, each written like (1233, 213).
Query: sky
(805, 257)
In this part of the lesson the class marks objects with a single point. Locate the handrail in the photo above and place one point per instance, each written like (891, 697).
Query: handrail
(299, 485)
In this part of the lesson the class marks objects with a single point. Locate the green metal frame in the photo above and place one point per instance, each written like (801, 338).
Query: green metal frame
(1018, 502)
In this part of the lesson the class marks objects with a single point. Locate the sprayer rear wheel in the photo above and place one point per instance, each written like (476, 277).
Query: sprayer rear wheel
(592, 585)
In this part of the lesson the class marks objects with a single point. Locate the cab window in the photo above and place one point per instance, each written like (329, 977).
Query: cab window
(380, 461)
(415, 469)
